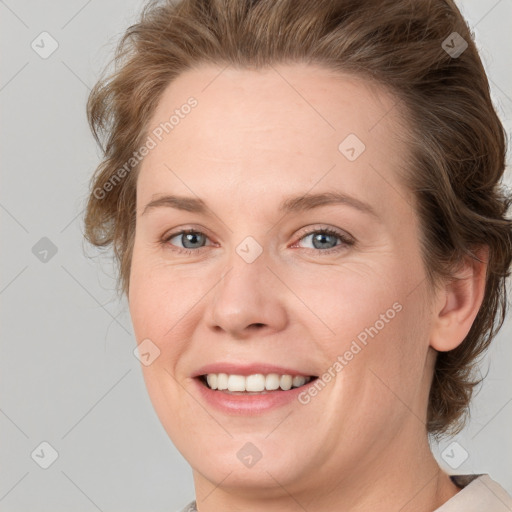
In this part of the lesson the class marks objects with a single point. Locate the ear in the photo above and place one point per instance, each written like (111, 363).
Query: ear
(459, 302)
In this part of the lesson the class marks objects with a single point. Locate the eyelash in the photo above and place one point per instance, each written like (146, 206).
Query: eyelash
(328, 231)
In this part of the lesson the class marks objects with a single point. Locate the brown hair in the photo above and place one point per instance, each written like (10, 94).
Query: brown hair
(457, 141)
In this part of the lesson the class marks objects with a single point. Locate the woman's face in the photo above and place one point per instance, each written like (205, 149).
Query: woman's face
(260, 285)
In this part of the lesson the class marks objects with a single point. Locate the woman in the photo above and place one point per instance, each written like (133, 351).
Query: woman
(240, 138)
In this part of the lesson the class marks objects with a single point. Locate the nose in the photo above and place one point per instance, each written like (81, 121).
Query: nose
(248, 298)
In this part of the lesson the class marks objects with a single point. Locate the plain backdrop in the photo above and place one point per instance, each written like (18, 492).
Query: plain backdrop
(69, 378)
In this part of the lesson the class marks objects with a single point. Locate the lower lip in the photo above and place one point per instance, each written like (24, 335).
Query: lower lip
(249, 404)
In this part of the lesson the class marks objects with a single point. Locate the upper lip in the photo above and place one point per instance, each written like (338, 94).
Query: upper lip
(247, 369)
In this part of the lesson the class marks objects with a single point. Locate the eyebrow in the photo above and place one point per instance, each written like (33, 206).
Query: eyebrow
(293, 204)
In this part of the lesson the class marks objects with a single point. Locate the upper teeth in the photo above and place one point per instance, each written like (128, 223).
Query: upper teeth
(256, 382)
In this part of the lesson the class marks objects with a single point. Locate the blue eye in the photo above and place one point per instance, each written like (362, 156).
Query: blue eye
(192, 240)
(188, 236)
(322, 236)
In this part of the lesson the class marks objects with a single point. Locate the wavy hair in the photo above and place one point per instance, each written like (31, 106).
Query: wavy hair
(457, 142)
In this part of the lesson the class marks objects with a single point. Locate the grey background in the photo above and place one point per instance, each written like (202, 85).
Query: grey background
(68, 373)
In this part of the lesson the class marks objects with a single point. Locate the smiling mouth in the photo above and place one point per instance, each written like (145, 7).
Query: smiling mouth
(285, 384)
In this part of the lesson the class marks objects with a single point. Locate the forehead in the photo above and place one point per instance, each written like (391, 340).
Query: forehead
(263, 131)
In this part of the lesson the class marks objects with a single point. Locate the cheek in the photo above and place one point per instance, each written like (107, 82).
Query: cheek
(350, 301)
(158, 313)
(152, 297)
(153, 314)
(164, 307)
(392, 362)
(376, 324)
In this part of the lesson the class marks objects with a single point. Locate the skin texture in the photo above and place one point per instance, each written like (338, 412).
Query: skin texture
(255, 138)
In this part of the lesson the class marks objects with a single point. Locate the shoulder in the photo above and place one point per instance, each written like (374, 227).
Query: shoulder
(191, 507)
(479, 493)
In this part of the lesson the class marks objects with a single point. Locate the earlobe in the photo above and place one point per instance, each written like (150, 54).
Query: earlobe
(461, 300)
